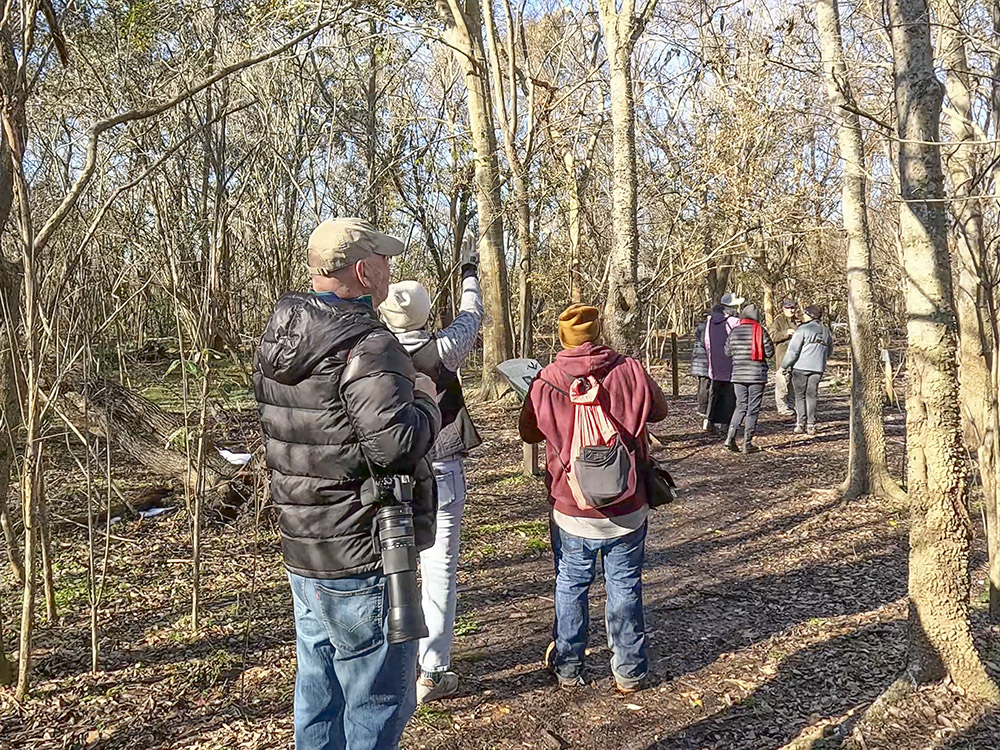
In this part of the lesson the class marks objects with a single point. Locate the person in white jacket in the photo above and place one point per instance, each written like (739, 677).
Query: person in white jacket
(406, 312)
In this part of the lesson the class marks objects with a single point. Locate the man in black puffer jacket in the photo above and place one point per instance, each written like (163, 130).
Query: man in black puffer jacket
(339, 399)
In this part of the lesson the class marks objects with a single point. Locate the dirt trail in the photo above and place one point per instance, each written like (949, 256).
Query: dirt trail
(774, 610)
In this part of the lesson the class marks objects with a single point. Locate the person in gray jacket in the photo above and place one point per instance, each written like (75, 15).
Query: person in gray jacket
(806, 359)
(750, 346)
(699, 367)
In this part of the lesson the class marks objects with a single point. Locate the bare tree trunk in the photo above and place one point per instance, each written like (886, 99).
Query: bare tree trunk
(940, 529)
(10, 299)
(45, 544)
(463, 33)
(622, 318)
(573, 197)
(373, 192)
(867, 467)
(978, 396)
(10, 420)
(6, 668)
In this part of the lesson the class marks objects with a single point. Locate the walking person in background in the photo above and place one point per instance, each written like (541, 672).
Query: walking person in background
(722, 399)
(750, 347)
(339, 402)
(614, 533)
(806, 359)
(406, 312)
(783, 330)
(699, 367)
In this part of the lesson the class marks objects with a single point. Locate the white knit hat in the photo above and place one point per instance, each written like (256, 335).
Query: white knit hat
(407, 307)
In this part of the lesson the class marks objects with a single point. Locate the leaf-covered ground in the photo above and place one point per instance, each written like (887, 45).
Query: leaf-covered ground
(776, 613)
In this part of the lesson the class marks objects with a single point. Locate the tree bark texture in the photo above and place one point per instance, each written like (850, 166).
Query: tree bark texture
(867, 467)
(622, 318)
(463, 33)
(940, 529)
(977, 390)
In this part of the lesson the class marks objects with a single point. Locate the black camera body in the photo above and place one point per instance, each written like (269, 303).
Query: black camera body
(393, 496)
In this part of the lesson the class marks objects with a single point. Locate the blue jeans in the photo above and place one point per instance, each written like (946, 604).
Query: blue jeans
(439, 568)
(353, 690)
(576, 564)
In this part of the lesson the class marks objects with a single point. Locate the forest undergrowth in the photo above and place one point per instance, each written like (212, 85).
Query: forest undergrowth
(776, 613)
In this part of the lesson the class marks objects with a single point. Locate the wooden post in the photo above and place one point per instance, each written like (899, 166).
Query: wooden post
(673, 363)
(531, 468)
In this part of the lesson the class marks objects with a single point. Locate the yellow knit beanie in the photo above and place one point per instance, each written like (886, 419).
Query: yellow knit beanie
(579, 324)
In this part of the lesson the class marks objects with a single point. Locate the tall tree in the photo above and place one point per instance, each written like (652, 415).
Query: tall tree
(974, 302)
(464, 34)
(622, 28)
(867, 469)
(940, 529)
(519, 144)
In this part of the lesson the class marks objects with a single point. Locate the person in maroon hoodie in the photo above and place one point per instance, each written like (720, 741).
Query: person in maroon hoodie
(616, 533)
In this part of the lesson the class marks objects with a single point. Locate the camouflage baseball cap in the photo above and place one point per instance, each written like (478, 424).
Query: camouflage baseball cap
(339, 243)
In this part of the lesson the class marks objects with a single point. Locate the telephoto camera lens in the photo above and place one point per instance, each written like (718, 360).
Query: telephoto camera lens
(399, 562)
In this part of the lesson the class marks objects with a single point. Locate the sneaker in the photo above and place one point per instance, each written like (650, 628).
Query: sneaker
(549, 660)
(799, 429)
(811, 429)
(437, 686)
(707, 427)
(749, 447)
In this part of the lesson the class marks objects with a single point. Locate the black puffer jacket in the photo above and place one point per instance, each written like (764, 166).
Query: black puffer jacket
(739, 345)
(332, 381)
(699, 356)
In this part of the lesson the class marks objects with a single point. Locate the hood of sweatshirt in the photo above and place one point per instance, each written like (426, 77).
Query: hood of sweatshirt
(587, 359)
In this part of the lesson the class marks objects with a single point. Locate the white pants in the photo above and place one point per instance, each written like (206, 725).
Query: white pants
(439, 568)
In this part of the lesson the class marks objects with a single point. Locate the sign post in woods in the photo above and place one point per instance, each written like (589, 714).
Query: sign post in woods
(520, 373)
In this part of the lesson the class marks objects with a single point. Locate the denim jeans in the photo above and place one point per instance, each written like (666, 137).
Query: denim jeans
(353, 690)
(439, 568)
(576, 565)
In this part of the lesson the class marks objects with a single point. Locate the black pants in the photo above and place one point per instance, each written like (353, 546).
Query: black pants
(749, 397)
(806, 386)
(721, 402)
(704, 388)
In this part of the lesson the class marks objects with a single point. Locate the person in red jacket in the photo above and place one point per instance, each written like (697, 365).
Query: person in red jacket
(616, 533)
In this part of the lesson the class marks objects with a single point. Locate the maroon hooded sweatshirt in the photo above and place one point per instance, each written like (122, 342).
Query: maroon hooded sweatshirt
(629, 395)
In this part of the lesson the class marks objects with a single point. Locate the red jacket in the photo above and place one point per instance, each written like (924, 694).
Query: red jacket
(630, 396)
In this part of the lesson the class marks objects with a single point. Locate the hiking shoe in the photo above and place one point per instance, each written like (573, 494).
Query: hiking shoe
(437, 686)
(731, 444)
(811, 429)
(799, 429)
(549, 660)
(628, 687)
(786, 414)
(749, 447)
